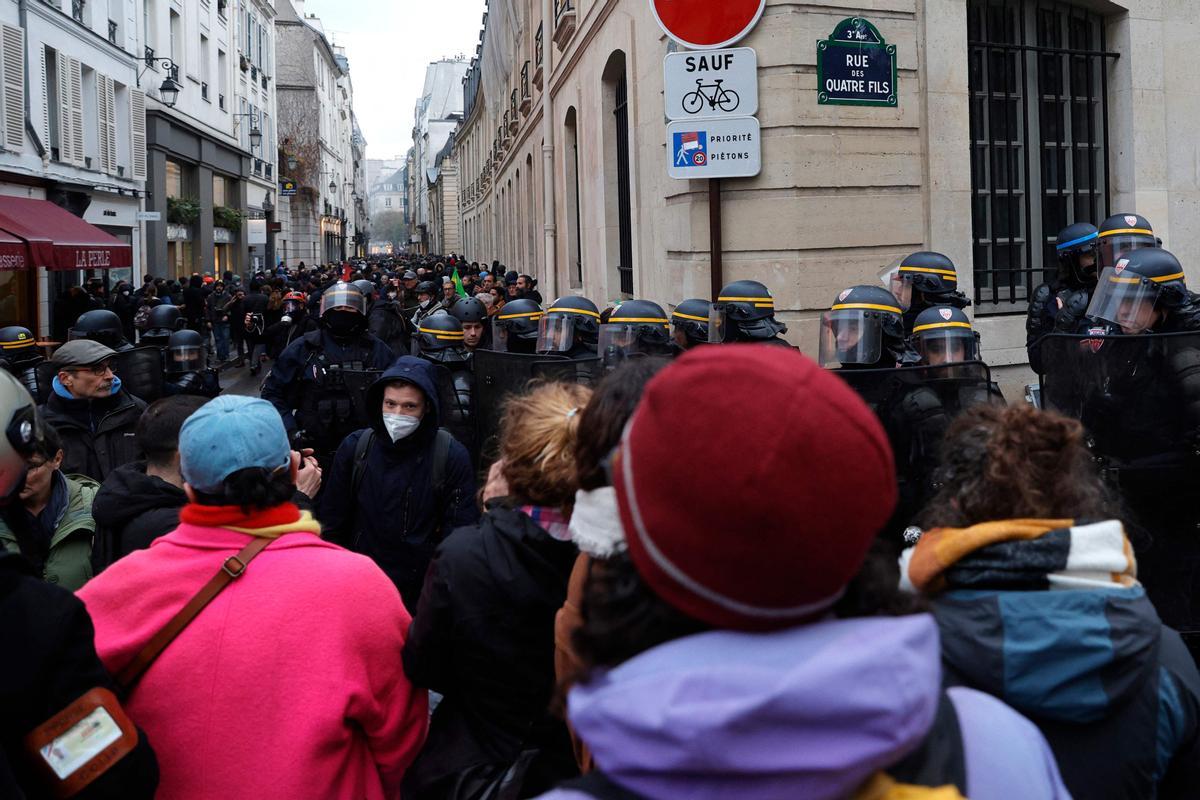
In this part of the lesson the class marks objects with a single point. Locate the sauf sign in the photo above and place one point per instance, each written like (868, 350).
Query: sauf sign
(711, 84)
(856, 67)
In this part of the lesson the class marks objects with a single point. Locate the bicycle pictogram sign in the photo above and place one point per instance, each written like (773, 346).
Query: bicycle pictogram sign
(714, 94)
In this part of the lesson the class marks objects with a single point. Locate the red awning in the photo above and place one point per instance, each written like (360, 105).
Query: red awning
(13, 253)
(58, 239)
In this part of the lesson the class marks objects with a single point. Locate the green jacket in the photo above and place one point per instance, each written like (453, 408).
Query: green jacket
(69, 563)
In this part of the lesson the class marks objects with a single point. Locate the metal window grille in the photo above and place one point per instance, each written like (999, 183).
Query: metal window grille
(1039, 139)
(77, 7)
(113, 28)
(621, 112)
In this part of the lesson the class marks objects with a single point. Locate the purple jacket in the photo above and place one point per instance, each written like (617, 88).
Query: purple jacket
(809, 712)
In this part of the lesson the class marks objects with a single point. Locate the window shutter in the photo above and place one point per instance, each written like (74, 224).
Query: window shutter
(76, 89)
(45, 102)
(66, 143)
(106, 121)
(137, 129)
(14, 87)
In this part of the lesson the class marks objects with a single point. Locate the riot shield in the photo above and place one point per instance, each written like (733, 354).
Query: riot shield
(454, 397)
(46, 373)
(497, 376)
(1138, 398)
(584, 371)
(141, 372)
(357, 383)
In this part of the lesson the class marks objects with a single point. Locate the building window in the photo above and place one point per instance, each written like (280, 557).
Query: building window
(574, 243)
(617, 197)
(1039, 139)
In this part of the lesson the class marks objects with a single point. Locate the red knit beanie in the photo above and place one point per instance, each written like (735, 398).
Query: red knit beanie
(751, 484)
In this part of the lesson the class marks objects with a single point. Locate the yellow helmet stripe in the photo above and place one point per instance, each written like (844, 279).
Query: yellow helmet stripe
(865, 307)
(443, 334)
(689, 316)
(1178, 276)
(583, 311)
(652, 320)
(519, 316)
(933, 325)
(949, 274)
(17, 345)
(770, 300)
(1115, 231)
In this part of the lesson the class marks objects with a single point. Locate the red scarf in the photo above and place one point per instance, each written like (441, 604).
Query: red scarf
(234, 517)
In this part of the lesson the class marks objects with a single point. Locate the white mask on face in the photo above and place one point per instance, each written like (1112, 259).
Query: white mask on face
(400, 426)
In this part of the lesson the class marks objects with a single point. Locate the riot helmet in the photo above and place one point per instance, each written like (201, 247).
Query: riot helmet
(923, 279)
(295, 304)
(367, 288)
(1078, 249)
(636, 326)
(856, 328)
(18, 346)
(185, 352)
(21, 430)
(567, 322)
(344, 311)
(515, 327)
(744, 312)
(943, 335)
(440, 338)
(164, 320)
(689, 323)
(426, 288)
(99, 325)
(473, 316)
(1138, 290)
(1122, 234)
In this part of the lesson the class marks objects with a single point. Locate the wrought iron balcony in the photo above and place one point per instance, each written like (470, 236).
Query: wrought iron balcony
(564, 22)
(526, 96)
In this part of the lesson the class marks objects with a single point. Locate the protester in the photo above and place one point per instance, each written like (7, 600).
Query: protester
(288, 683)
(1035, 593)
(414, 482)
(483, 634)
(747, 648)
(219, 311)
(94, 416)
(51, 523)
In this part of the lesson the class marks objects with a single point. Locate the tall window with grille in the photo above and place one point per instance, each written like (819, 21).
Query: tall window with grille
(1039, 139)
(625, 222)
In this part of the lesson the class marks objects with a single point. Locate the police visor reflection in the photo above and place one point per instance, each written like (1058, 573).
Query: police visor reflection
(943, 335)
(852, 330)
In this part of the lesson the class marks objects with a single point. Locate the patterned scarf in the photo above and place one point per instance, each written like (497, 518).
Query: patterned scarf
(552, 520)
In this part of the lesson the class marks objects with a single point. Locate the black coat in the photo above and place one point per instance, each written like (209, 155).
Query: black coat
(97, 435)
(49, 661)
(483, 636)
(131, 510)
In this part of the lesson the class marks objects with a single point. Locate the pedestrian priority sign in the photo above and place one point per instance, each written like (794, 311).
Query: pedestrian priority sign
(721, 148)
(691, 149)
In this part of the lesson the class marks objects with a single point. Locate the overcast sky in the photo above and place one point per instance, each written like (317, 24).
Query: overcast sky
(389, 42)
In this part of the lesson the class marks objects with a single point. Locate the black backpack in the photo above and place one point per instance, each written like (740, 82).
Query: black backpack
(441, 454)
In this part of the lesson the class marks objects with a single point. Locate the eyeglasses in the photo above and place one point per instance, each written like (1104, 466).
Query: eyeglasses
(99, 370)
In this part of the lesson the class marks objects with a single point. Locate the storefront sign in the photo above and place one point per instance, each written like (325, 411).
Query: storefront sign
(93, 259)
(149, 216)
(256, 231)
(287, 188)
(222, 236)
(715, 148)
(856, 67)
(711, 84)
(179, 233)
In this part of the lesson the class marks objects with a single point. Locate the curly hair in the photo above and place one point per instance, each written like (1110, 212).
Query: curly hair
(537, 443)
(1016, 462)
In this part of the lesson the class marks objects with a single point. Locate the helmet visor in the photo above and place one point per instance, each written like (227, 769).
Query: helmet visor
(343, 296)
(898, 283)
(1116, 244)
(556, 334)
(716, 324)
(188, 358)
(946, 346)
(1125, 300)
(850, 336)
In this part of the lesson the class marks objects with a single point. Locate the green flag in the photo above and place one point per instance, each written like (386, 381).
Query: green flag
(458, 287)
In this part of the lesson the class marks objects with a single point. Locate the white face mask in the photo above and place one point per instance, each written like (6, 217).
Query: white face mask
(400, 426)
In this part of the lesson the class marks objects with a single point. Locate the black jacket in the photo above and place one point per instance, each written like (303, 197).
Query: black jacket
(49, 662)
(386, 321)
(97, 435)
(131, 510)
(483, 636)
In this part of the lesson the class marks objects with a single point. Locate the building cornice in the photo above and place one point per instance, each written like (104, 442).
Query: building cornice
(68, 24)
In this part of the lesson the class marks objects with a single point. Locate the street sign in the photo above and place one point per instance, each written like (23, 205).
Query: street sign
(714, 148)
(707, 24)
(856, 67)
(287, 188)
(711, 84)
(149, 216)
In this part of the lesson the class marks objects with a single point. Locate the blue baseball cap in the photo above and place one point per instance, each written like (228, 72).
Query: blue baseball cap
(228, 434)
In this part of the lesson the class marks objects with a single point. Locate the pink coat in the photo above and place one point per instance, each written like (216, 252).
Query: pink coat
(289, 684)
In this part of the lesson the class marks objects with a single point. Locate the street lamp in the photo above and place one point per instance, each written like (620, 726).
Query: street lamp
(292, 163)
(168, 91)
(255, 132)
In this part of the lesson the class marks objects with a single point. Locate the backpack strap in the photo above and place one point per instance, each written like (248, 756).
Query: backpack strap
(361, 449)
(601, 787)
(941, 759)
(441, 455)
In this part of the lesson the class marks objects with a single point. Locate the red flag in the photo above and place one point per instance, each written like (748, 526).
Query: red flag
(346, 273)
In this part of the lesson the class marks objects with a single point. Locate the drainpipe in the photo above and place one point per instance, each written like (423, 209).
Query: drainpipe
(548, 145)
(23, 11)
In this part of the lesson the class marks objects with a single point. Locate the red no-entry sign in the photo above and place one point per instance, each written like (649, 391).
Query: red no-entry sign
(706, 24)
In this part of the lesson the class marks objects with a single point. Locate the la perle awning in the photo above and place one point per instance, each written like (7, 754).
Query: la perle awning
(54, 238)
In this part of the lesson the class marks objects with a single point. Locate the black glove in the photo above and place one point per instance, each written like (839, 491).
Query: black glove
(1074, 307)
(1040, 319)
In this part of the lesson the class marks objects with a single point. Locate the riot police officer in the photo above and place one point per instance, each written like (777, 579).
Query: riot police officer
(186, 366)
(20, 356)
(635, 328)
(386, 320)
(1061, 304)
(570, 327)
(943, 335)
(319, 381)
(428, 301)
(515, 327)
(1145, 292)
(689, 323)
(164, 320)
(473, 316)
(925, 279)
(103, 326)
(745, 312)
(864, 329)
(1124, 233)
(440, 339)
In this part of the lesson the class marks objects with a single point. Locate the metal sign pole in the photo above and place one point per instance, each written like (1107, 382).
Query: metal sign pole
(714, 235)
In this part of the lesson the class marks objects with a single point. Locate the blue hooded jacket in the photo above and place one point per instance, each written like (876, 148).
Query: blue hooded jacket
(395, 518)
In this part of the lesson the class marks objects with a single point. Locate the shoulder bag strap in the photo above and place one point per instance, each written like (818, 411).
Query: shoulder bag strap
(231, 569)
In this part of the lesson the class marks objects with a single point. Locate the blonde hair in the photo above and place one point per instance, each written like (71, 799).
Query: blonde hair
(538, 435)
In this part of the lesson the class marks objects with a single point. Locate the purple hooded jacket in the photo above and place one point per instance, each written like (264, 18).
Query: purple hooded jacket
(808, 712)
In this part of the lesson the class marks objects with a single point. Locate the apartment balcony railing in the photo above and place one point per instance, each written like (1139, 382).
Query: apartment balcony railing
(564, 22)
(538, 53)
(526, 95)
(113, 31)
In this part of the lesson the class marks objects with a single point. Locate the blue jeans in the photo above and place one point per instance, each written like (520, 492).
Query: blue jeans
(220, 332)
